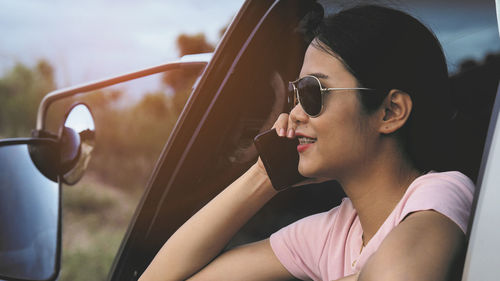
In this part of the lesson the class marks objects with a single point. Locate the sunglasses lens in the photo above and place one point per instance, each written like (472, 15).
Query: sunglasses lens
(309, 95)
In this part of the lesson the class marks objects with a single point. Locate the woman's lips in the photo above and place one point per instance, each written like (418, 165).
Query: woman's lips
(303, 147)
(304, 142)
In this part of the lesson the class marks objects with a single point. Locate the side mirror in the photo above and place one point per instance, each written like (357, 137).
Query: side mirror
(69, 157)
(31, 171)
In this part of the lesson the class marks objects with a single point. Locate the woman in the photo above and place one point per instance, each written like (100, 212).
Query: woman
(372, 100)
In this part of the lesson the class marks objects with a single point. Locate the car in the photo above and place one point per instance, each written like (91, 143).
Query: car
(240, 92)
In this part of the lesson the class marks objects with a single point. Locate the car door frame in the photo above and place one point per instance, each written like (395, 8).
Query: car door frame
(483, 245)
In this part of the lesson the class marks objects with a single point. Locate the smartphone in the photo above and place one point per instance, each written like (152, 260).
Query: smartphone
(280, 158)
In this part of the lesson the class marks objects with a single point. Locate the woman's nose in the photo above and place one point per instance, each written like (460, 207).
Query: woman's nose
(298, 115)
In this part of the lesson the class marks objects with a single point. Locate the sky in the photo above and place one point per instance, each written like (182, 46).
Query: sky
(93, 39)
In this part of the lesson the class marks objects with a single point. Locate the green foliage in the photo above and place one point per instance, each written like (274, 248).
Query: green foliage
(21, 90)
(181, 80)
(83, 200)
(129, 140)
(83, 264)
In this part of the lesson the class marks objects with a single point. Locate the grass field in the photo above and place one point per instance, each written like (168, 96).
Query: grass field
(95, 218)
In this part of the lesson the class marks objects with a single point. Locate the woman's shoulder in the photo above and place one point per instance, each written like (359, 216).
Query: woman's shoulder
(449, 193)
(444, 180)
(446, 175)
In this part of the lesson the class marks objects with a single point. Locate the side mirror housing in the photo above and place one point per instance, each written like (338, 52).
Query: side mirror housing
(70, 157)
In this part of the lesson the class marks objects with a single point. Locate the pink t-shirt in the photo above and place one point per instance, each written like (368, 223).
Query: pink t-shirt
(327, 246)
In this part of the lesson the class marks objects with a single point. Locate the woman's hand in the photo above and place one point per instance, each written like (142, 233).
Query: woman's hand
(285, 128)
(281, 126)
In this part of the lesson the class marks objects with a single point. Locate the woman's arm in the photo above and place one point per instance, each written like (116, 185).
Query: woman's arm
(198, 241)
(205, 234)
(251, 262)
(425, 246)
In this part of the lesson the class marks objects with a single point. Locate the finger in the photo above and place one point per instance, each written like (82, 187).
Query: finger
(281, 124)
(291, 127)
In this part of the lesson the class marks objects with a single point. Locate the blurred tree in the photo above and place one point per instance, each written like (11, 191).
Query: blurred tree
(193, 44)
(223, 30)
(21, 90)
(153, 104)
(180, 81)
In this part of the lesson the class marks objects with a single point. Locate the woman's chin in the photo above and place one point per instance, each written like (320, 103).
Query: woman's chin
(306, 171)
(313, 171)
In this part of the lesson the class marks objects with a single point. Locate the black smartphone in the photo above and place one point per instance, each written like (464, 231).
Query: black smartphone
(280, 158)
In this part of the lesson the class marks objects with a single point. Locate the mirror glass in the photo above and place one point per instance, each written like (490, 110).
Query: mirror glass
(29, 216)
(77, 143)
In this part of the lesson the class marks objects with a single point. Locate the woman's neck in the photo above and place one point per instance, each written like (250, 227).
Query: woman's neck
(377, 188)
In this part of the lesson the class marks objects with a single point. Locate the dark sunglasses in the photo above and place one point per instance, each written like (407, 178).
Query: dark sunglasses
(309, 92)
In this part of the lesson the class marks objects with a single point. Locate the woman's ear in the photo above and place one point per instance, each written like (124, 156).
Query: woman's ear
(396, 108)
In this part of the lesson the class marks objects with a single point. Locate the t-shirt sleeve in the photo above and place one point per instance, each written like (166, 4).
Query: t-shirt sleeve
(299, 245)
(448, 193)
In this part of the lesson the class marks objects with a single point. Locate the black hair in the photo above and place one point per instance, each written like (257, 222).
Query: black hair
(388, 49)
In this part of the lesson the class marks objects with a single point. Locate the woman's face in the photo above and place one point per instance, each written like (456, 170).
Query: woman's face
(344, 134)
